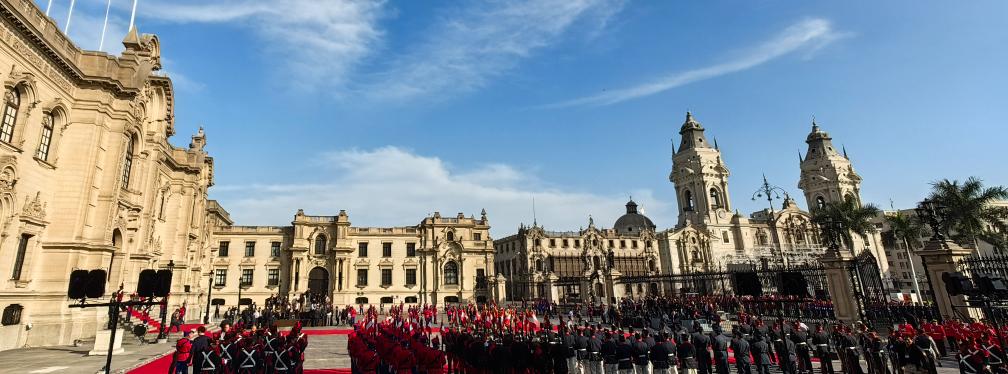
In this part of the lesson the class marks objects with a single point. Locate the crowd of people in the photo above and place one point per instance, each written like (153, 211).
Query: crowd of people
(240, 349)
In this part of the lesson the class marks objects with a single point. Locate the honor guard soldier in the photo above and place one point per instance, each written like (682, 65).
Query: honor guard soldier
(659, 356)
(800, 338)
(719, 344)
(740, 347)
(761, 353)
(821, 344)
(687, 355)
(595, 354)
(701, 345)
(609, 348)
(624, 355)
(641, 355)
(578, 350)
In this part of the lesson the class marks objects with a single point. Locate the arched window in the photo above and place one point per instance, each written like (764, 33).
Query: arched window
(820, 202)
(12, 103)
(128, 163)
(688, 200)
(652, 266)
(451, 236)
(715, 198)
(320, 245)
(46, 140)
(451, 273)
(539, 265)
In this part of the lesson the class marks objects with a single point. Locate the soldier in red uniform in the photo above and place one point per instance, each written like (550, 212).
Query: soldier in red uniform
(937, 333)
(297, 343)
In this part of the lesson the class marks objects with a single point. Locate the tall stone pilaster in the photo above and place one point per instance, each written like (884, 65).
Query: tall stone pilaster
(840, 284)
(939, 257)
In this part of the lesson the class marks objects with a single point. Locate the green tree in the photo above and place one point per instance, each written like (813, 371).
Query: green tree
(971, 215)
(854, 217)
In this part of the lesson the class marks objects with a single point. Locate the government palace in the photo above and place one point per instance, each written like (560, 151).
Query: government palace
(89, 180)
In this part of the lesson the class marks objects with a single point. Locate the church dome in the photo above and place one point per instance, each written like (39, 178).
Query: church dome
(632, 222)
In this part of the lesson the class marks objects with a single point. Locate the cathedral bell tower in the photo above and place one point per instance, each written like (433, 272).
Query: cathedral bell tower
(826, 175)
(700, 178)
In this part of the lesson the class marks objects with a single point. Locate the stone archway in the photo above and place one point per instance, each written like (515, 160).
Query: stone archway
(318, 281)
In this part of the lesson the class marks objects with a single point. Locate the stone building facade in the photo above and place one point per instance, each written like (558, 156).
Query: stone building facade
(88, 178)
(439, 260)
(579, 265)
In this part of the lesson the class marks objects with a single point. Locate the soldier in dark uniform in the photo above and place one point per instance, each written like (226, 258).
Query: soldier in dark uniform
(641, 354)
(608, 351)
(761, 353)
(821, 344)
(804, 352)
(594, 354)
(788, 356)
(741, 349)
(558, 353)
(581, 348)
(701, 344)
(624, 355)
(852, 355)
(687, 355)
(719, 345)
(659, 356)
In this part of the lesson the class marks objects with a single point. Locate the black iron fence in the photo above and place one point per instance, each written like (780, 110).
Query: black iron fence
(988, 285)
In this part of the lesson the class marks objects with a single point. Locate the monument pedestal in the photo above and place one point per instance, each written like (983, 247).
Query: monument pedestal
(102, 343)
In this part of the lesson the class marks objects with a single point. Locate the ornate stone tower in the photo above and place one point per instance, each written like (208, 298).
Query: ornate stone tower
(700, 178)
(826, 175)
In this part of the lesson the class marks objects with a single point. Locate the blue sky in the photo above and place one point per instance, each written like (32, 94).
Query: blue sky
(393, 110)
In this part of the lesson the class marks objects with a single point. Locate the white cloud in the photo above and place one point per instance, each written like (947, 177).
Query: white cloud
(482, 41)
(811, 34)
(318, 42)
(393, 187)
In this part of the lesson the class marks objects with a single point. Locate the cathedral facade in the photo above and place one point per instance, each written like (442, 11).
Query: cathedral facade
(712, 236)
(88, 178)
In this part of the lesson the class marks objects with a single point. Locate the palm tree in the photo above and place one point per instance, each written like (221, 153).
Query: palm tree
(971, 214)
(851, 215)
(908, 229)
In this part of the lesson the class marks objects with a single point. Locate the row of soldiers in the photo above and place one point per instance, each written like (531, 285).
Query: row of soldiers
(395, 345)
(243, 350)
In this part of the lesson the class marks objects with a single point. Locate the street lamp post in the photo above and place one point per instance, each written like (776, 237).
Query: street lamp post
(206, 314)
(933, 214)
(239, 292)
(163, 334)
(772, 192)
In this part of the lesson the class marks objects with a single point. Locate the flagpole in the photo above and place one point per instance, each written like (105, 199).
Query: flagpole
(47, 8)
(66, 29)
(132, 16)
(101, 43)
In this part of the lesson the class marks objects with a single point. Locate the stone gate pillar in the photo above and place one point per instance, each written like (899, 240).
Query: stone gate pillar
(552, 294)
(500, 289)
(840, 284)
(938, 257)
(610, 287)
